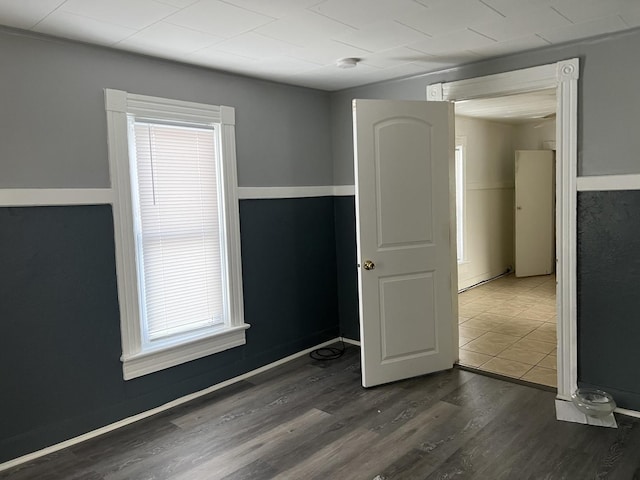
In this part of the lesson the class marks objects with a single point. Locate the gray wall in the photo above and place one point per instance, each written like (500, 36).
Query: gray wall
(53, 130)
(609, 104)
(60, 347)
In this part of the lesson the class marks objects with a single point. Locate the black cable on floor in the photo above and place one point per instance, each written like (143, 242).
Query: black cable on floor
(328, 353)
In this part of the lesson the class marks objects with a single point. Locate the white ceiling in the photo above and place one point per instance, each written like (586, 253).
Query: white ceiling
(521, 108)
(298, 41)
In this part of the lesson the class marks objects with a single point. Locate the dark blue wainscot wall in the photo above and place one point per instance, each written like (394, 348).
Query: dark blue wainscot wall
(345, 225)
(60, 344)
(289, 273)
(609, 293)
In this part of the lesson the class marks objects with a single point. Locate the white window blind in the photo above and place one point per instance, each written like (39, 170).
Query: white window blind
(177, 229)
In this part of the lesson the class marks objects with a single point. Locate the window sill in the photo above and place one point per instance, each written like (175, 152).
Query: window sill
(151, 361)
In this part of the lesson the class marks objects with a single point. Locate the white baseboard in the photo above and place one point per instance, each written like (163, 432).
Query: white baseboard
(477, 280)
(351, 342)
(629, 413)
(174, 403)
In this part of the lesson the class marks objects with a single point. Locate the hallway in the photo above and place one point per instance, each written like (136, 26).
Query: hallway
(508, 327)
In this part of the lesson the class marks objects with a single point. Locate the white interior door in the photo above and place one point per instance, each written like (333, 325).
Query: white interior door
(535, 212)
(403, 153)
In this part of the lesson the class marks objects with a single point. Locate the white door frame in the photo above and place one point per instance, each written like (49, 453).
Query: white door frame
(563, 76)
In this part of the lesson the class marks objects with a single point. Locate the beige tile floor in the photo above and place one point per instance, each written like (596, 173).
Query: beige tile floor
(508, 327)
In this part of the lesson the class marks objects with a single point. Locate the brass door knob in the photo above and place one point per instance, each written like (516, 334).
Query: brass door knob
(369, 265)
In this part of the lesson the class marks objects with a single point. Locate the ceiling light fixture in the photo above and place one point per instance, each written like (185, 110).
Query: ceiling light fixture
(347, 62)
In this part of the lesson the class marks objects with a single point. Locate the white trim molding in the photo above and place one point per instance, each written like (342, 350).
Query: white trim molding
(566, 225)
(627, 412)
(35, 197)
(174, 403)
(246, 193)
(562, 76)
(501, 84)
(350, 341)
(151, 361)
(344, 190)
(609, 182)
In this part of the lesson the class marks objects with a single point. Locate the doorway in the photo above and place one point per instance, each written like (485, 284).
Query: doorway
(508, 327)
(505, 235)
(563, 78)
(424, 298)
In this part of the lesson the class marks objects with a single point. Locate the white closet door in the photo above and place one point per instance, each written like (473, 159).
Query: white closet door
(535, 213)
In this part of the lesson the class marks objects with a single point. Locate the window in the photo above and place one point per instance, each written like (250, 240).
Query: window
(460, 198)
(176, 229)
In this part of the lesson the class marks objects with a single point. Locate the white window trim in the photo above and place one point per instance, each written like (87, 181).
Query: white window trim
(461, 141)
(135, 361)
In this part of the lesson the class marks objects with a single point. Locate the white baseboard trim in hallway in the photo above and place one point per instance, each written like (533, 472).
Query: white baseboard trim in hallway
(174, 403)
(351, 342)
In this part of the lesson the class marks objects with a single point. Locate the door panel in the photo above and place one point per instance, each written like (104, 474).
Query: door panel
(402, 299)
(535, 213)
(400, 196)
(403, 152)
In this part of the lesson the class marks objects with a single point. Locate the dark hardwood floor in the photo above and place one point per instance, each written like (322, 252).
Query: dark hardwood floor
(313, 420)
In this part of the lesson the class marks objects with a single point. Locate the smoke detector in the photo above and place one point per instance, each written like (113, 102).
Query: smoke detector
(347, 62)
